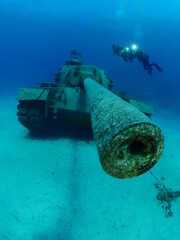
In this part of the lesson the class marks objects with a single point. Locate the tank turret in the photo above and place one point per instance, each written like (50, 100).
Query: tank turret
(128, 142)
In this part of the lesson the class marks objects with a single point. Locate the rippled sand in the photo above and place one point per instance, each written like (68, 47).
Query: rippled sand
(56, 189)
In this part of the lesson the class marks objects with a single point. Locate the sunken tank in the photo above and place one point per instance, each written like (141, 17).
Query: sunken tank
(128, 142)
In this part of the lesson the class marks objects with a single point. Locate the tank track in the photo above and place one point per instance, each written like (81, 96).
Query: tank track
(31, 114)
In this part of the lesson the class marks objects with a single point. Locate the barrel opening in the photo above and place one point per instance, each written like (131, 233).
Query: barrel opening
(137, 147)
(142, 146)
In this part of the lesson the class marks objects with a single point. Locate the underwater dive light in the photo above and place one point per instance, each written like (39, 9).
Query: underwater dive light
(134, 46)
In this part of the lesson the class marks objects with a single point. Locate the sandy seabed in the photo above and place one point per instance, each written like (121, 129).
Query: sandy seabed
(56, 189)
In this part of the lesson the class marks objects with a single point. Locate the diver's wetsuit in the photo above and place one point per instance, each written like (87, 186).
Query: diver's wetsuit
(139, 54)
(149, 67)
(144, 58)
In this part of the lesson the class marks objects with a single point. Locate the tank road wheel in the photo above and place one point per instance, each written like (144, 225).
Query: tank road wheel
(31, 115)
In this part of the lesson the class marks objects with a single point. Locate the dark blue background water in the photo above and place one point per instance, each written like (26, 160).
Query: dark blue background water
(37, 36)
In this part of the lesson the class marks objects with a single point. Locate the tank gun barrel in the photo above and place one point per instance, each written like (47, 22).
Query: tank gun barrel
(128, 142)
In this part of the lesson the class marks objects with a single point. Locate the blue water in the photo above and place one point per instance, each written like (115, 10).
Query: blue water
(37, 36)
(73, 198)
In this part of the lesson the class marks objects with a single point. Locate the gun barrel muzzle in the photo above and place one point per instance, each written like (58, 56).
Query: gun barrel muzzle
(128, 142)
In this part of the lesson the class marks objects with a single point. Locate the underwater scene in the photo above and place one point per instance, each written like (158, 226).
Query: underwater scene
(89, 120)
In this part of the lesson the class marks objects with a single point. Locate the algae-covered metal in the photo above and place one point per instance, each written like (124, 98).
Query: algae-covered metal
(128, 142)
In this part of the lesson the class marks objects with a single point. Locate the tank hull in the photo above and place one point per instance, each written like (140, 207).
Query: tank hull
(53, 107)
(43, 109)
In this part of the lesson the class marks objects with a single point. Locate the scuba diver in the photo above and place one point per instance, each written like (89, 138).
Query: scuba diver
(129, 54)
